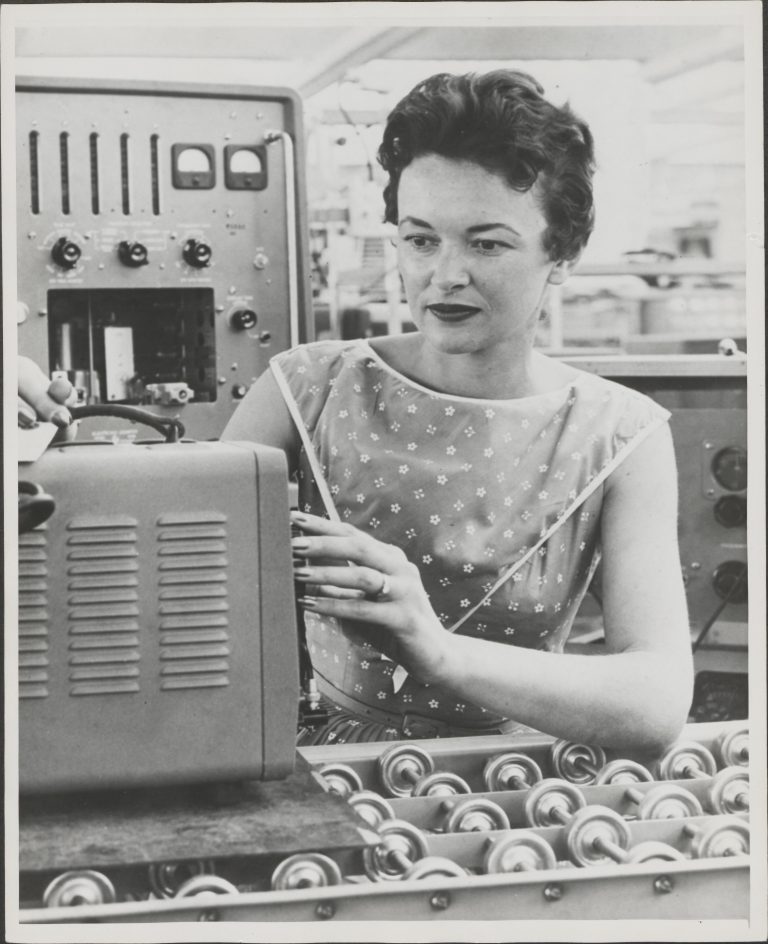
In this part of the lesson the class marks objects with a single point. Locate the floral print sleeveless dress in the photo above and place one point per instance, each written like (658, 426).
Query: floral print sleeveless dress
(496, 501)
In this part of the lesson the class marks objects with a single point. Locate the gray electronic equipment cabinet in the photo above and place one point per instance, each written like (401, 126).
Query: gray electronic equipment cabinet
(162, 240)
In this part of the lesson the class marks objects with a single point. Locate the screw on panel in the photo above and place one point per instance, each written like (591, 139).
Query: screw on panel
(325, 910)
(439, 901)
(210, 914)
(663, 884)
(707, 445)
(553, 892)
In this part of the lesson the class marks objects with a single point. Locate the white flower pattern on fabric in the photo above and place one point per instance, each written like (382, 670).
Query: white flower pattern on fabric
(466, 527)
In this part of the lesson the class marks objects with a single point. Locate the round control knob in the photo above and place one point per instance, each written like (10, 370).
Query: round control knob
(730, 581)
(731, 511)
(242, 319)
(729, 468)
(65, 253)
(197, 253)
(132, 254)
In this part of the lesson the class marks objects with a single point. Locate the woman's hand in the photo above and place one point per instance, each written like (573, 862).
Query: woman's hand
(353, 576)
(42, 399)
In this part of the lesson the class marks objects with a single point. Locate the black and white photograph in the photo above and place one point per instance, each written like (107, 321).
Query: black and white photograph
(389, 385)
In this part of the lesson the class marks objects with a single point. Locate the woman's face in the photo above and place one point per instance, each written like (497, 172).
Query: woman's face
(471, 256)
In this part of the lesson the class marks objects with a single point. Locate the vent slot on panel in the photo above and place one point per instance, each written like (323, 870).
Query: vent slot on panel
(154, 160)
(193, 600)
(125, 186)
(103, 605)
(64, 164)
(93, 150)
(34, 171)
(33, 614)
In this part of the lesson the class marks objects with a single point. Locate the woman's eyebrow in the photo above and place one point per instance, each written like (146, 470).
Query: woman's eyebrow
(414, 221)
(484, 227)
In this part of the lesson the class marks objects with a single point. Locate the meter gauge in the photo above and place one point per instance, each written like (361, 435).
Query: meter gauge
(729, 468)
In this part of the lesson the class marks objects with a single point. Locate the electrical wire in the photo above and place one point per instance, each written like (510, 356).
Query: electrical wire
(736, 585)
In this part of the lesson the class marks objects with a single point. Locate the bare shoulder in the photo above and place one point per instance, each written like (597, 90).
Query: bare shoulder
(264, 417)
(643, 488)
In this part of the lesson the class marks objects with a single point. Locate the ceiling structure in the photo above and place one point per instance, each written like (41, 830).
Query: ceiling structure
(694, 70)
(317, 54)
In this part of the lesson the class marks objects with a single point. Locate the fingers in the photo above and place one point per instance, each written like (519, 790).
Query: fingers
(363, 580)
(45, 397)
(322, 538)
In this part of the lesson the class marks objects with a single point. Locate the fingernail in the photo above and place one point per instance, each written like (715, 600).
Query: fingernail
(26, 420)
(300, 544)
(61, 418)
(298, 515)
(309, 603)
(302, 573)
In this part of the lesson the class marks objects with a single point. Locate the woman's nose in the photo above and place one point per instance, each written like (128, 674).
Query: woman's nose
(450, 271)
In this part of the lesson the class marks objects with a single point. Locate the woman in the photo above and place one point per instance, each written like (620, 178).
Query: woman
(458, 488)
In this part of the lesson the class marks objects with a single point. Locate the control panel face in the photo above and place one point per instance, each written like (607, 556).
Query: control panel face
(711, 452)
(159, 252)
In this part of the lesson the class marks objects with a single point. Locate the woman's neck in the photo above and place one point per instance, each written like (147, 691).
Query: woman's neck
(492, 375)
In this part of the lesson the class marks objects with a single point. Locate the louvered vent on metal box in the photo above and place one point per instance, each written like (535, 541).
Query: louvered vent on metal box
(193, 601)
(33, 614)
(103, 605)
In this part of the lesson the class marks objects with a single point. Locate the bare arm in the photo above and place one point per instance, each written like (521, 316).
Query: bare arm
(264, 418)
(639, 692)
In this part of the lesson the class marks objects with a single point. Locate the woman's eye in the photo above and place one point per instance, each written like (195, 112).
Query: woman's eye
(489, 245)
(417, 241)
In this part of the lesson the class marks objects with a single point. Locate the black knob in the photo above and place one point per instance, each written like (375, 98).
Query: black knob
(731, 511)
(132, 254)
(730, 581)
(197, 253)
(65, 253)
(243, 319)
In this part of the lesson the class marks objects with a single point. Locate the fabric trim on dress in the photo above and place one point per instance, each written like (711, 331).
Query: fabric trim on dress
(293, 408)
(620, 456)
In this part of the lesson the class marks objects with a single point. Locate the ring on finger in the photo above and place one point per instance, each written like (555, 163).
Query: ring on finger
(384, 589)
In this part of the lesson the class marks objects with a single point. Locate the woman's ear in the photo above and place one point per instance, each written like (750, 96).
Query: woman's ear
(561, 270)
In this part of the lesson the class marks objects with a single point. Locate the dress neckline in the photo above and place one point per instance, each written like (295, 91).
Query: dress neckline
(557, 393)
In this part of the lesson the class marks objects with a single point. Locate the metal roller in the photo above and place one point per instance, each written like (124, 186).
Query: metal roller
(401, 767)
(552, 802)
(729, 838)
(166, 878)
(400, 845)
(474, 815)
(686, 760)
(374, 809)
(341, 779)
(623, 771)
(578, 763)
(440, 783)
(434, 867)
(306, 870)
(597, 833)
(206, 885)
(729, 791)
(519, 852)
(79, 887)
(511, 771)
(653, 851)
(732, 748)
(666, 801)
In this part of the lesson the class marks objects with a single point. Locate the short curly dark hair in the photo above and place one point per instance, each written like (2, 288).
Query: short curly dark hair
(501, 121)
